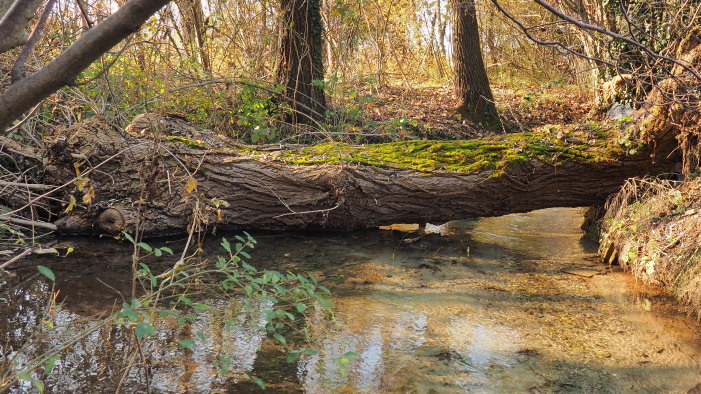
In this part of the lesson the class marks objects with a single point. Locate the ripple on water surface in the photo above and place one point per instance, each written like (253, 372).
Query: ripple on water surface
(489, 306)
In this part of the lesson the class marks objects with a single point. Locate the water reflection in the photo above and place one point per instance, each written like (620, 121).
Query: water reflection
(488, 306)
(101, 359)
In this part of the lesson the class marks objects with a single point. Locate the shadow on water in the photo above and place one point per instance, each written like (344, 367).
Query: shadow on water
(509, 304)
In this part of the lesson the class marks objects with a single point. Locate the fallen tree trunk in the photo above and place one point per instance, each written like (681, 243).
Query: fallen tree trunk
(123, 180)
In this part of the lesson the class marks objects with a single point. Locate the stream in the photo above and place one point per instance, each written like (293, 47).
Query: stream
(518, 303)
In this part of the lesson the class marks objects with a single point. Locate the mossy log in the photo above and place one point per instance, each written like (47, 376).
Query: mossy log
(166, 181)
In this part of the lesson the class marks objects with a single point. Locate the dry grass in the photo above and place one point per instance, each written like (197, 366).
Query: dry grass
(654, 226)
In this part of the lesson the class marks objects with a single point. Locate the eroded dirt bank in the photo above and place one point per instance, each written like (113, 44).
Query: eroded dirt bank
(653, 229)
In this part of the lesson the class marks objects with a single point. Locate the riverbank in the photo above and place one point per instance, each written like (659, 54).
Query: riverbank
(653, 229)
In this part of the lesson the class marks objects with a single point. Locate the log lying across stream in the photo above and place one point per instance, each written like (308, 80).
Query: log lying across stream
(126, 175)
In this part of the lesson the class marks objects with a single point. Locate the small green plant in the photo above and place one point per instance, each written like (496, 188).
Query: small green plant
(178, 295)
(258, 113)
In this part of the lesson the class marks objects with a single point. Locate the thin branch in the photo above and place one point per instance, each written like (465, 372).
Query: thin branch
(19, 256)
(24, 120)
(306, 212)
(14, 21)
(612, 34)
(36, 32)
(12, 146)
(552, 44)
(84, 11)
(28, 92)
(33, 186)
(26, 222)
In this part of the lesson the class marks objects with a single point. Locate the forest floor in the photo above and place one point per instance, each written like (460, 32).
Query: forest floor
(521, 108)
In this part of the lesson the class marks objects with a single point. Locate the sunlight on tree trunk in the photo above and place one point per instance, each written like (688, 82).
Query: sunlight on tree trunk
(471, 83)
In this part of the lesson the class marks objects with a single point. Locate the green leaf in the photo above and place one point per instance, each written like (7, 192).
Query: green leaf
(202, 307)
(293, 356)
(50, 363)
(167, 250)
(47, 272)
(128, 237)
(349, 355)
(281, 289)
(280, 338)
(157, 252)
(145, 246)
(38, 384)
(259, 382)
(186, 343)
(201, 336)
(224, 365)
(226, 245)
(301, 307)
(142, 329)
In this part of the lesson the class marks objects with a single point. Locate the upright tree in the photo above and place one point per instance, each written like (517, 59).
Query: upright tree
(194, 24)
(301, 59)
(471, 83)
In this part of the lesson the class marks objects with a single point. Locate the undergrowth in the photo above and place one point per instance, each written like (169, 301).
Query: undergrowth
(653, 228)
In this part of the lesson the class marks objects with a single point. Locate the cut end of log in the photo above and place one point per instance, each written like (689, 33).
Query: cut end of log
(112, 220)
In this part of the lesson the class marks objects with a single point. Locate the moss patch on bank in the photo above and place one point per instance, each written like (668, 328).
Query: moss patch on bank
(653, 229)
(550, 144)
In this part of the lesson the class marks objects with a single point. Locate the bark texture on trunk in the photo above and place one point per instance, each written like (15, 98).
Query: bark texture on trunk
(301, 59)
(471, 83)
(168, 183)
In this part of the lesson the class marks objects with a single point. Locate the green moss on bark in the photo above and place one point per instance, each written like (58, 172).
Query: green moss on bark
(494, 153)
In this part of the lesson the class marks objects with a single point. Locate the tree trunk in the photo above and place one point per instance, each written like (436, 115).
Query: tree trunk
(471, 83)
(193, 21)
(167, 183)
(301, 59)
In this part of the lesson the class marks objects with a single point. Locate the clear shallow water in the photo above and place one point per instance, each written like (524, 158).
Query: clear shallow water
(487, 307)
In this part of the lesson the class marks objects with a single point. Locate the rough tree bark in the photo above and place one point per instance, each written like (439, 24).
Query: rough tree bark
(301, 59)
(167, 184)
(471, 83)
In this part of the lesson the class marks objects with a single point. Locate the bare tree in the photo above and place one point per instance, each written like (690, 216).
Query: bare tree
(16, 17)
(194, 24)
(26, 92)
(669, 111)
